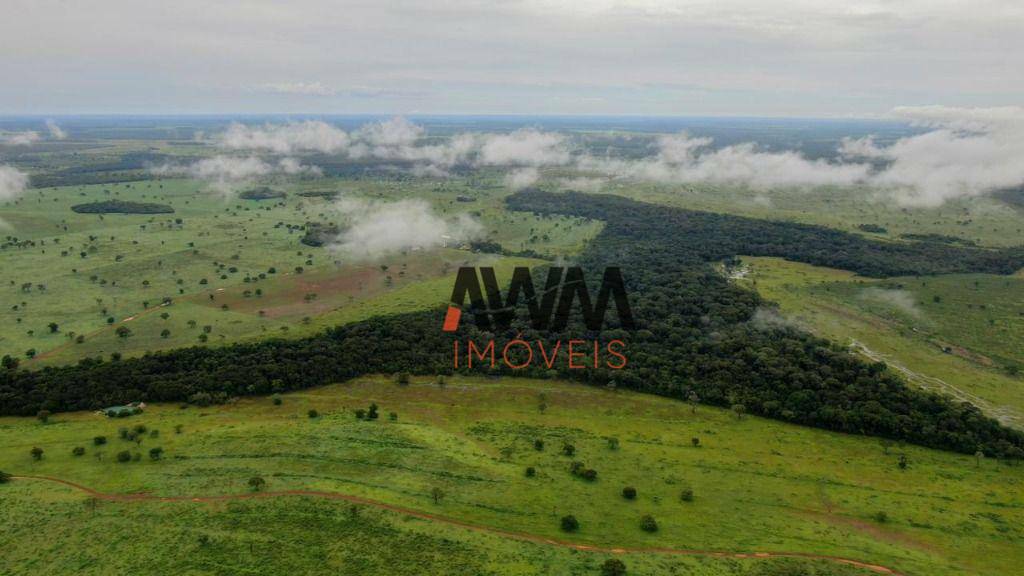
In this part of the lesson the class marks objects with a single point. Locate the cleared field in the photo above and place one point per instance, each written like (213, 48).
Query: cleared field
(756, 487)
(960, 334)
(235, 266)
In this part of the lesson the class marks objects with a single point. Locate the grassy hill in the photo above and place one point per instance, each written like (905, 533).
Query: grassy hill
(757, 487)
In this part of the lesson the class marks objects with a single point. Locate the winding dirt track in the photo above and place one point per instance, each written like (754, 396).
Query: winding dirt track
(522, 536)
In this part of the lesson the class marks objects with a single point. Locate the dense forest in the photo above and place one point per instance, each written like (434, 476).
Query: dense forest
(699, 337)
(122, 207)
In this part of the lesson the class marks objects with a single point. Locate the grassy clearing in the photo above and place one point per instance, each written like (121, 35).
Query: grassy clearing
(756, 485)
(91, 273)
(967, 338)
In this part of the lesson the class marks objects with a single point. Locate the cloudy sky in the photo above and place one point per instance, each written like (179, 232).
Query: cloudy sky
(681, 57)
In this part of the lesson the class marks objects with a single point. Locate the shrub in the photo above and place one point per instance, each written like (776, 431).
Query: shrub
(156, 453)
(78, 451)
(629, 493)
(881, 517)
(538, 445)
(37, 453)
(124, 456)
(313, 413)
(360, 413)
(530, 472)
(686, 495)
(257, 483)
(99, 440)
(648, 524)
(613, 567)
(570, 523)
(4, 477)
(568, 449)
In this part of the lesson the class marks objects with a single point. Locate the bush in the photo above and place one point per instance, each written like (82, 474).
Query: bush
(257, 483)
(156, 453)
(647, 524)
(629, 493)
(570, 523)
(881, 517)
(538, 445)
(568, 449)
(313, 414)
(531, 471)
(37, 453)
(4, 477)
(686, 495)
(613, 567)
(99, 440)
(124, 456)
(78, 451)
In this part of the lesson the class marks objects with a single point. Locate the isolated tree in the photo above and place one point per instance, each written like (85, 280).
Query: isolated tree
(123, 332)
(686, 495)
(629, 493)
(156, 453)
(78, 451)
(695, 441)
(257, 483)
(371, 413)
(538, 445)
(739, 410)
(165, 333)
(37, 453)
(531, 471)
(313, 413)
(903, 462)
(570, 523)
(613, 567)
(99, 440)
(648, 524)
(437, 494)
(613, 443)
(568, 450)
(54, 327)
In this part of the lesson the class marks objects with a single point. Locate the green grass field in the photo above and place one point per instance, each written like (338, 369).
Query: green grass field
(965, 342)
(91, 274)
(757, 488)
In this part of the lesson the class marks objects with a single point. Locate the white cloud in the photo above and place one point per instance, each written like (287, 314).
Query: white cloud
(12, 183)
(524, 147)
(899, 299)
(682, 158)
(970, 151)
(26, 138)
(225, 174)
(522, 178)
(376, 229)
(56, 132)
(311, 135)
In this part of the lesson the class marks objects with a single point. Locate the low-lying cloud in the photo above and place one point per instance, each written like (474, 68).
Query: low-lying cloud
(26, 138)
(376, 229)
(966, 152)
(56, 132)
(900, 300)
(226, 174)
(12, 183)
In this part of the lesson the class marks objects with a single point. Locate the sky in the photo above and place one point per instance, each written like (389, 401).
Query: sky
(648, 57)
